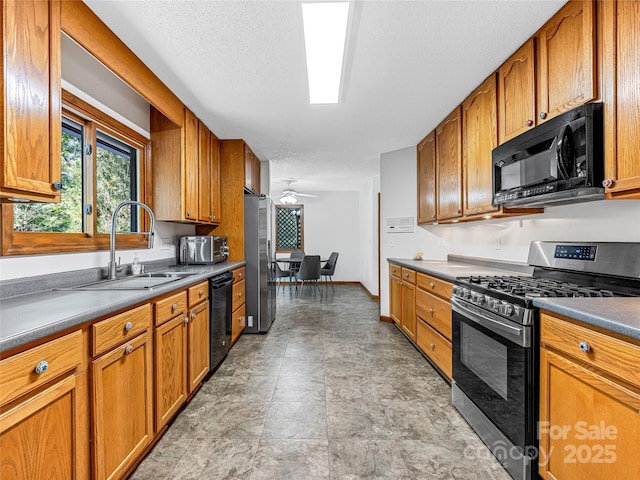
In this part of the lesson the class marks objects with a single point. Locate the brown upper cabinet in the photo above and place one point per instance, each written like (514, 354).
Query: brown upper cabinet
(620, 35)
(185, 179)
(449, 167)
(566, 66)
(517, 90)
(251, 171)
(479, 138)
(31, 91)
(427, 179)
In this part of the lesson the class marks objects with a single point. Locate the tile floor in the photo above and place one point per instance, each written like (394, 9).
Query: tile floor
(329, 393)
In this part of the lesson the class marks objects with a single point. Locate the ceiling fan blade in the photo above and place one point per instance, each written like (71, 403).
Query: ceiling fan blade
(306, 195)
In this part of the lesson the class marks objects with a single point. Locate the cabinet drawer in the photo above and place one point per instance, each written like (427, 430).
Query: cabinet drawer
(18, 373)
(442, 288)
(435, 311)
(610, 354)
(198, 292)
(395, 270)
(238, 275)
(408, 275)
(435, 346)
(238, 295)
(169, 307)
(113, 331)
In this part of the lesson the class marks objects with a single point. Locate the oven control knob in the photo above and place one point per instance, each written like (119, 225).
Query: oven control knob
(492, 303)
(507, 309)
(466, 293)
(456, 291)
(481, 300)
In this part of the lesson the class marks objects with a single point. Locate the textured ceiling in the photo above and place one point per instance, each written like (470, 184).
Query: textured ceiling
(240, 67)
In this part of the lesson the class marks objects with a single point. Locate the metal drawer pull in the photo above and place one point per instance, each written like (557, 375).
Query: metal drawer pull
(431, 310)
(432, 285)
(186, 320)
(174, 307)
(585, 347)
(201, 292)
(41, 367)
(128, 326)
(432, 346)
(239, 294)
(128, 349)
(193, 316)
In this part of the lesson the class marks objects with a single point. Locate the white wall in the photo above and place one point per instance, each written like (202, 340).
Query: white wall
(369, 230)
(508, 239)
(331, 223)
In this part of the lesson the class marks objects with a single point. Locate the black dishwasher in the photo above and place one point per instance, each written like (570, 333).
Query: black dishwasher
(221, 316)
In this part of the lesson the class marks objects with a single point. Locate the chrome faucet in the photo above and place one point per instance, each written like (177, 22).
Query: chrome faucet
(113, 267)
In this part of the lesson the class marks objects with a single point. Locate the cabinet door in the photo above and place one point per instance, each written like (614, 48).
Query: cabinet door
(171, 368)
(427, 179)
(191, 164)
(479, 138)
(256, 175)
(31, 85)
(238, 322)
(46, 435)
(622, 123)
(204, 174)
(122, 406)
(215, 179)
(566, 60)
(409, 309)
(517, 93)
(449, 167)
(395, 299)
(198, 333)
(589, 424)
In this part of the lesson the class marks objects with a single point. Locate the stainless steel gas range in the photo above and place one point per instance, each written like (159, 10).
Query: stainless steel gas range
(496, 339)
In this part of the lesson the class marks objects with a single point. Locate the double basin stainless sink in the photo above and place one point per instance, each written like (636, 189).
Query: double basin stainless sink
(144, 281)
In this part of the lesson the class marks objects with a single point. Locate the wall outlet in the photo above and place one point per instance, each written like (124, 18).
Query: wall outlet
(498, 244)
(165, 243)
(250, 321)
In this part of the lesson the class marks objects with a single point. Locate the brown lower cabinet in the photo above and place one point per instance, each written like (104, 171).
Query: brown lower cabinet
(51, 405)
(238, 304)
(89, 404)
(589, 403)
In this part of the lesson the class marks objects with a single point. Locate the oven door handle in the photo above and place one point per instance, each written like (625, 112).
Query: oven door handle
(518, 335)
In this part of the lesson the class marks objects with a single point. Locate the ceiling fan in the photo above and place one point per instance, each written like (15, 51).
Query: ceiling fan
(290, 196)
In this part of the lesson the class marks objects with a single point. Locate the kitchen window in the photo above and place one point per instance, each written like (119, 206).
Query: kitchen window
(103, 163)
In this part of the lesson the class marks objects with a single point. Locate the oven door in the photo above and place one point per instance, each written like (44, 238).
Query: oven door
(494, 365)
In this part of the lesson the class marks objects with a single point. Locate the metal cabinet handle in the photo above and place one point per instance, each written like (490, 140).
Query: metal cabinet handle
(128, 349)
(201, 292)
(406, 275)
(174, 307)
(585, 347)
(188, 213)
(431, 311)
(543, 115)
(458, 211)
(433, 347)
(128, 326)
(432, 285)
(607, 183)
(529, 123)
(186, 320)
(239, 294)
(57, 185)
(41, 367)
(193, 316)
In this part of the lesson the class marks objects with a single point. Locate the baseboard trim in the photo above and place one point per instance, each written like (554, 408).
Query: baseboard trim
(385, 318)
(373, 297)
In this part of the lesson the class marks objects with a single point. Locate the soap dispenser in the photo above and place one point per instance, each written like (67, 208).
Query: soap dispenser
(135, 265)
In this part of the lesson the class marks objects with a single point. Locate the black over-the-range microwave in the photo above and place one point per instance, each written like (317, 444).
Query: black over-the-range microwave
(560, 161)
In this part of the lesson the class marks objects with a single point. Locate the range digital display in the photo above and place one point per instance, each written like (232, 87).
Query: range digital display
(576, 252)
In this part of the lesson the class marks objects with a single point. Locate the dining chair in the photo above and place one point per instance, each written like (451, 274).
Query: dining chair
(309, 271)
(329, 268)
(295, 255)
(280, 274)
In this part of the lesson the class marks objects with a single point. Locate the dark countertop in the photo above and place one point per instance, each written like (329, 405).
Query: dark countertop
(30, 317)
(619, 314)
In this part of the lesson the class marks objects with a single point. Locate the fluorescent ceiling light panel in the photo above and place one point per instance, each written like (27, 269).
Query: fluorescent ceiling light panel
(325, 32)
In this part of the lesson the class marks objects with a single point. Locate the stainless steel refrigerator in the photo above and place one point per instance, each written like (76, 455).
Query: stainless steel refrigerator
(260, 286)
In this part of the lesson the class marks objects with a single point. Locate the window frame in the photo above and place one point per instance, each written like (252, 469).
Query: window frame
(35, 243)
(290, 207)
